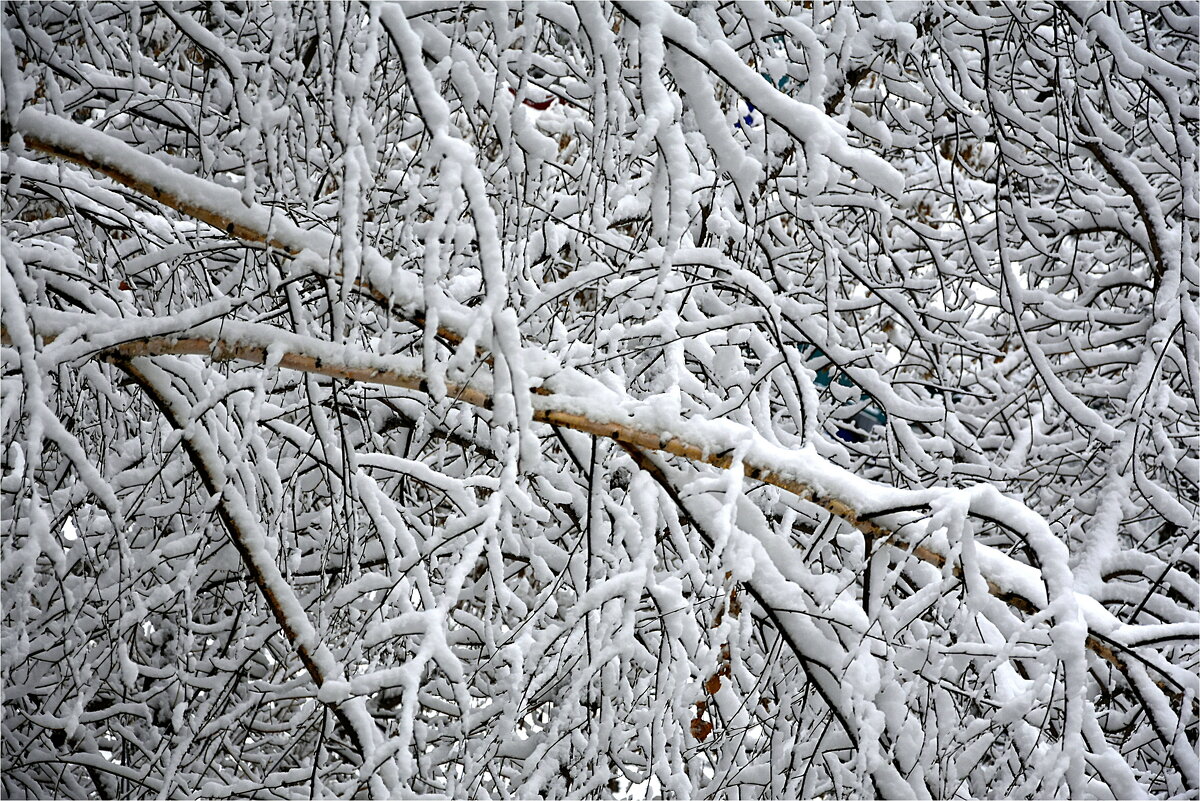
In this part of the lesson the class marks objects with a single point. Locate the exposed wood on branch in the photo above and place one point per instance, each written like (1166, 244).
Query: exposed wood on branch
(239, 538)
(629, 436)
(215, 217)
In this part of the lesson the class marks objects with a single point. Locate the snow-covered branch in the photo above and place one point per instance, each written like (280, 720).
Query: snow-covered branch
(867, 506)
(599, 400)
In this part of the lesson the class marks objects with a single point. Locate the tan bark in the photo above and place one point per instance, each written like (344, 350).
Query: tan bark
(627, 435)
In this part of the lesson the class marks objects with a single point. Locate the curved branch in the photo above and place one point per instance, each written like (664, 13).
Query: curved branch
(314, 656)
(218, 206)
(1013, 582)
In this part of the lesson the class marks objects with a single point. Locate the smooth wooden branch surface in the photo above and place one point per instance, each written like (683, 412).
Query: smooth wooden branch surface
(163, 195)
(162, 192)
(239, 537)
(221, 351)
(627, 435)
(207, 213)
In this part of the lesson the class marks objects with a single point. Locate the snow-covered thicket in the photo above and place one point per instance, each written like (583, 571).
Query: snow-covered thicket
(606, 399)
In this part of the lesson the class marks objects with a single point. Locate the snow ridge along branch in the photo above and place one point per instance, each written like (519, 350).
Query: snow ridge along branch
(863, 504)
(804, 474)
